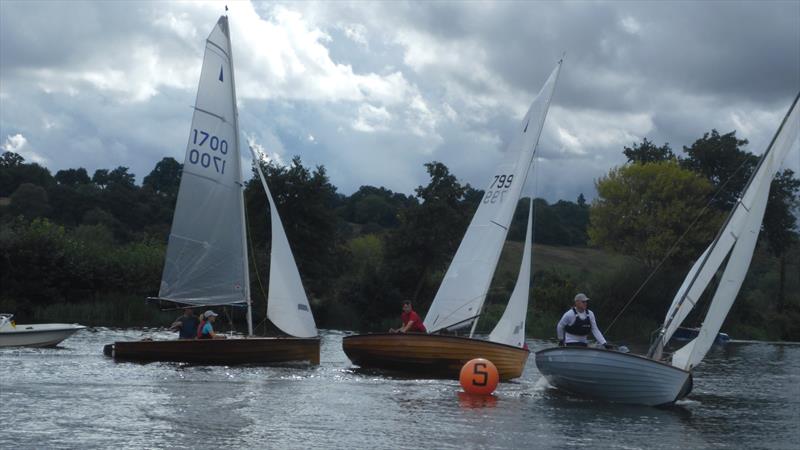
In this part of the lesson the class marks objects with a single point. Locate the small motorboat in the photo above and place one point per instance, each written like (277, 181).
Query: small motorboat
(38, 335)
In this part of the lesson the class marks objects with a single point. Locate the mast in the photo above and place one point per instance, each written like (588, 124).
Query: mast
(245, 259)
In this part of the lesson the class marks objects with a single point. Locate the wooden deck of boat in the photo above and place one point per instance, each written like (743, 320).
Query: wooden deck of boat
(431, 354)
(251, 350)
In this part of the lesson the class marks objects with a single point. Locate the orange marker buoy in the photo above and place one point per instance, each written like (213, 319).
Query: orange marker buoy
(479, 376)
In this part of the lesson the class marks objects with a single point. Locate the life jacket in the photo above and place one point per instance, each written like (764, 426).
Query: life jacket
(580, 327)
(200, 334)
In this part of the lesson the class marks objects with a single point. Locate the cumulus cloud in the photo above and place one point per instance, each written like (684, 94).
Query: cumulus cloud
(19, 144)
(374, 90)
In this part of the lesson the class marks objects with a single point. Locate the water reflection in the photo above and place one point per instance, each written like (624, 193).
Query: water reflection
(472, 401)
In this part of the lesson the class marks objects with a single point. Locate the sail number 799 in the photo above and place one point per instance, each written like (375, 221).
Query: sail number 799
(498, 188)
(208, 147)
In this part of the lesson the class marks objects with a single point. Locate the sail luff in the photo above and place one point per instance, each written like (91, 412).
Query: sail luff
(466, 282)
(510, 329)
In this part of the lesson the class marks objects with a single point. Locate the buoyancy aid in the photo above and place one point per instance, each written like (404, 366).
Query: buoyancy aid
(580, 327)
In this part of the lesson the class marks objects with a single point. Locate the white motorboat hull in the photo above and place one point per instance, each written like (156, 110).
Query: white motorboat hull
(613, 376)
(39, 335)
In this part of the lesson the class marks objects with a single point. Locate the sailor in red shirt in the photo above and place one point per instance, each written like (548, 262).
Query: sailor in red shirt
(411, 321)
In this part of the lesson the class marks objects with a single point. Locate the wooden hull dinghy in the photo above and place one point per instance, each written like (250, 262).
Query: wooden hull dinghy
(432, 354)
(250, 350)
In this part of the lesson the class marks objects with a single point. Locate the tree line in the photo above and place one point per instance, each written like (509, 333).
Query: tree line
(70, 238)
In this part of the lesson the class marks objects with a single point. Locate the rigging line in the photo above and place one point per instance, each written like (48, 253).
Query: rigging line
(675, 245)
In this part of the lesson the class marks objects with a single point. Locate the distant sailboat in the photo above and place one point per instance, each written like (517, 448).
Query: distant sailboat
(459, 301)
(650, 380)
(206, 263)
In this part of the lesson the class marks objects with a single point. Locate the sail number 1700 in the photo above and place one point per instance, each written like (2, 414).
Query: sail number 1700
(498, 188)
(208, 147)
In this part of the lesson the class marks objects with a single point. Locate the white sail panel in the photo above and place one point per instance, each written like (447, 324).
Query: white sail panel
(751, 213)
(206, 261)
(287, 303)
(510, 330)
(704, 269)
(464, 287)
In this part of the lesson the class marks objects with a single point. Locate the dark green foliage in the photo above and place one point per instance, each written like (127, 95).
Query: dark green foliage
(720, 159)
(372, 205)
(89, 250)
(647, 152)
(73, 177)
(562, 223)
(29, 200)
(14, 172)
(428, 236)
(305, 200)
(165, 178)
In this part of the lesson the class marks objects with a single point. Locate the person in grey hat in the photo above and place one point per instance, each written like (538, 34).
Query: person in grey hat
(577, 323)
(206, 328)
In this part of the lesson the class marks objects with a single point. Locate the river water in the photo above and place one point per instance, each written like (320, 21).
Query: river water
(746, 395)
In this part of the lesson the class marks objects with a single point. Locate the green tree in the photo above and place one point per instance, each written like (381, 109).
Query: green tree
(429, 234)
(647, 152)
(72, 177)
(305, 200)
(643, 209)
(30, 201)
(14, 172)
(780, 224)
(165, 177)
(720, 159)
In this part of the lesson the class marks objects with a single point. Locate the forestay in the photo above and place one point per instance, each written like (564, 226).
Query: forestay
(742, 228)
(464, 287)
(287, 304)
(206, 261)
(510, 330)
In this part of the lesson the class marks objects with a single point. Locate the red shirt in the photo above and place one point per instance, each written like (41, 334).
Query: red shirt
(418, 326)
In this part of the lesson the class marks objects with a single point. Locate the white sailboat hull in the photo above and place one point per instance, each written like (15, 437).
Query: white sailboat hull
(613, 376)
(41, 335)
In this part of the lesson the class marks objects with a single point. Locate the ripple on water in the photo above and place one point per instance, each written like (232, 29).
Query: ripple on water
(746, 395)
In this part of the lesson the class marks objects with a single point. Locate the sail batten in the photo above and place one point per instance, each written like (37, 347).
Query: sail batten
(466, 282)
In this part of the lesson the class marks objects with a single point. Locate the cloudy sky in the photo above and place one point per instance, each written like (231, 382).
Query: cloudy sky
(373, 90)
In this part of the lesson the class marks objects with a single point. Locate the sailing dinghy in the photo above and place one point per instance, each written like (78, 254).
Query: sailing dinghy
(459, 301)
(206, 262)
(652, 379)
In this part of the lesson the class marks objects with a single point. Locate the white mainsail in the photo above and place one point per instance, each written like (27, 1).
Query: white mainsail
(464, 287)
(206, 261)
(287, 304)
(743, 228)
(510, 330)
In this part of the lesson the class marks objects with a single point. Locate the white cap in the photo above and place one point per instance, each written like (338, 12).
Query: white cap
(209, 313)
(582, 297)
